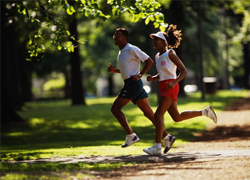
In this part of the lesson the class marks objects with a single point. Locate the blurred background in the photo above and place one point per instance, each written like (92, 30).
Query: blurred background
(215, 49)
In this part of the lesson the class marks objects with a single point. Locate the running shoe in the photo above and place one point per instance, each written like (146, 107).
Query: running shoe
(152, 151)
(211, 114)
(168, 142)
(130, 140)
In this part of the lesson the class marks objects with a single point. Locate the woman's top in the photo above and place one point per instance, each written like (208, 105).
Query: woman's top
(165, 67)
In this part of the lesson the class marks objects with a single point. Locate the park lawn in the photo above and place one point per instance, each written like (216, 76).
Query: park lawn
(54, 128)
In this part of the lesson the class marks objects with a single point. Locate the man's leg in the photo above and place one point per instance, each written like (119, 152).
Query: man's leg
(116, 108)
(131, 137)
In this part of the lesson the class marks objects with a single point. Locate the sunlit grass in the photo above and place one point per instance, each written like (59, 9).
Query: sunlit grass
(57, 124)
(54, 170)
(57, 129)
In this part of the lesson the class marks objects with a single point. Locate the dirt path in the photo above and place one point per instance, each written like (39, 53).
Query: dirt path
(223, 152)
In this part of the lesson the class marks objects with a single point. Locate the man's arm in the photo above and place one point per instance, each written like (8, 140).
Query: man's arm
(148, 63)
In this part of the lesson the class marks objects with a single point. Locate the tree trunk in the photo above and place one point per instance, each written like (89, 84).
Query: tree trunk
(176, 16)
(77, 92)
(67, 88)
(246, 53)
(10, 99)
(110, 86)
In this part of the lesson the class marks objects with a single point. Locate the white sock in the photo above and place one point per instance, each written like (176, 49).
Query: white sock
(131, 135)
(157, 145)
(204, 112)
(167, 136)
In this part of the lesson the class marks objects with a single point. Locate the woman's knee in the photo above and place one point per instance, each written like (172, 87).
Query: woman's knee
(177, 118)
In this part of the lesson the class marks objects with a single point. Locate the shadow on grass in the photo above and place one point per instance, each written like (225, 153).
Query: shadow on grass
(56, 124)
(222, 133)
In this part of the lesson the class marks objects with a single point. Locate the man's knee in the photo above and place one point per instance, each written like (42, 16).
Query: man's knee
(114, 110)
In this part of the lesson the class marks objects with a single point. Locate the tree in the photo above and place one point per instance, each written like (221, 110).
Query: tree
(10, 99)
(46, 19)
(241, 10)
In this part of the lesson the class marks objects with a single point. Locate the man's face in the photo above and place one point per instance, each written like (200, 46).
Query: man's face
(119, 38)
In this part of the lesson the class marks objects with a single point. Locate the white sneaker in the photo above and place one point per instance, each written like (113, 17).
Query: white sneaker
(211, 114)
(168, 142)
(152, 151)
(130, 139)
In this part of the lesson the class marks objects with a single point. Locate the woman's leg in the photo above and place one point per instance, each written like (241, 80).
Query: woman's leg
(165, 103)
(177, 117)
(145, 107)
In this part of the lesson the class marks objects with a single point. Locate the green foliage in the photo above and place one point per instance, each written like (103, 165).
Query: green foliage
(140, 9)
(44, 14)
(242, 8)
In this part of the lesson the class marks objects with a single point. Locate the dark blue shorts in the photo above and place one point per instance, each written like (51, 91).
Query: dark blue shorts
(133, 90)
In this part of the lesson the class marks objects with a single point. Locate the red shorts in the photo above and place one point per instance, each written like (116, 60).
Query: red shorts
(169, 92)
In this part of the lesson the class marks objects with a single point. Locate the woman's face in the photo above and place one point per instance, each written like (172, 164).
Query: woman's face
(158, 43)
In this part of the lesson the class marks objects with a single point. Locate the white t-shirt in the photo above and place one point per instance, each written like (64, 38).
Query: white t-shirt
(165, 67)
(129, 60)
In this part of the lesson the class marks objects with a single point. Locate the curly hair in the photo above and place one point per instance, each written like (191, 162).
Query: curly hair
(173, 36)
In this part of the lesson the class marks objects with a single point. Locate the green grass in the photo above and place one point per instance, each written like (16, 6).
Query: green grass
(57, 129)
(52, 171)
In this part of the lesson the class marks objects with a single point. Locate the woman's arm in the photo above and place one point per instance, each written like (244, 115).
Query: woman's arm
(183, 71)
(153, 78)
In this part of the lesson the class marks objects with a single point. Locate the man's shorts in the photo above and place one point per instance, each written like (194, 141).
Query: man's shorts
(169, 92)
(133, 90)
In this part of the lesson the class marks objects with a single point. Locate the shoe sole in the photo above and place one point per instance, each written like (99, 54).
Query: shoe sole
(215, 120)
(133, 142)
(168, 148)
(147, 152)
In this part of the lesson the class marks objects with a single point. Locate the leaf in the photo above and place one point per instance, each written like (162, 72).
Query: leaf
(30, 42)
(86, 13)
(162, 28)
(69, 46)
(59, 47)
(68, 33)
(71, 49)
(110, 2)
(83, 2)
(156, 24)
(147, 20)
(70, 10)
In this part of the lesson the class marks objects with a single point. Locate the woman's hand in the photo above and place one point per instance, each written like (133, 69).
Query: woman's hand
(170, 85)
(149, 78)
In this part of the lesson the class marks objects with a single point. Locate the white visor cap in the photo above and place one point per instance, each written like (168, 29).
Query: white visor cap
(159, 35)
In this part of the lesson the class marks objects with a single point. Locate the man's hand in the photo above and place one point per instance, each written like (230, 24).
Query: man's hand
(111, 68)
(135, 77)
